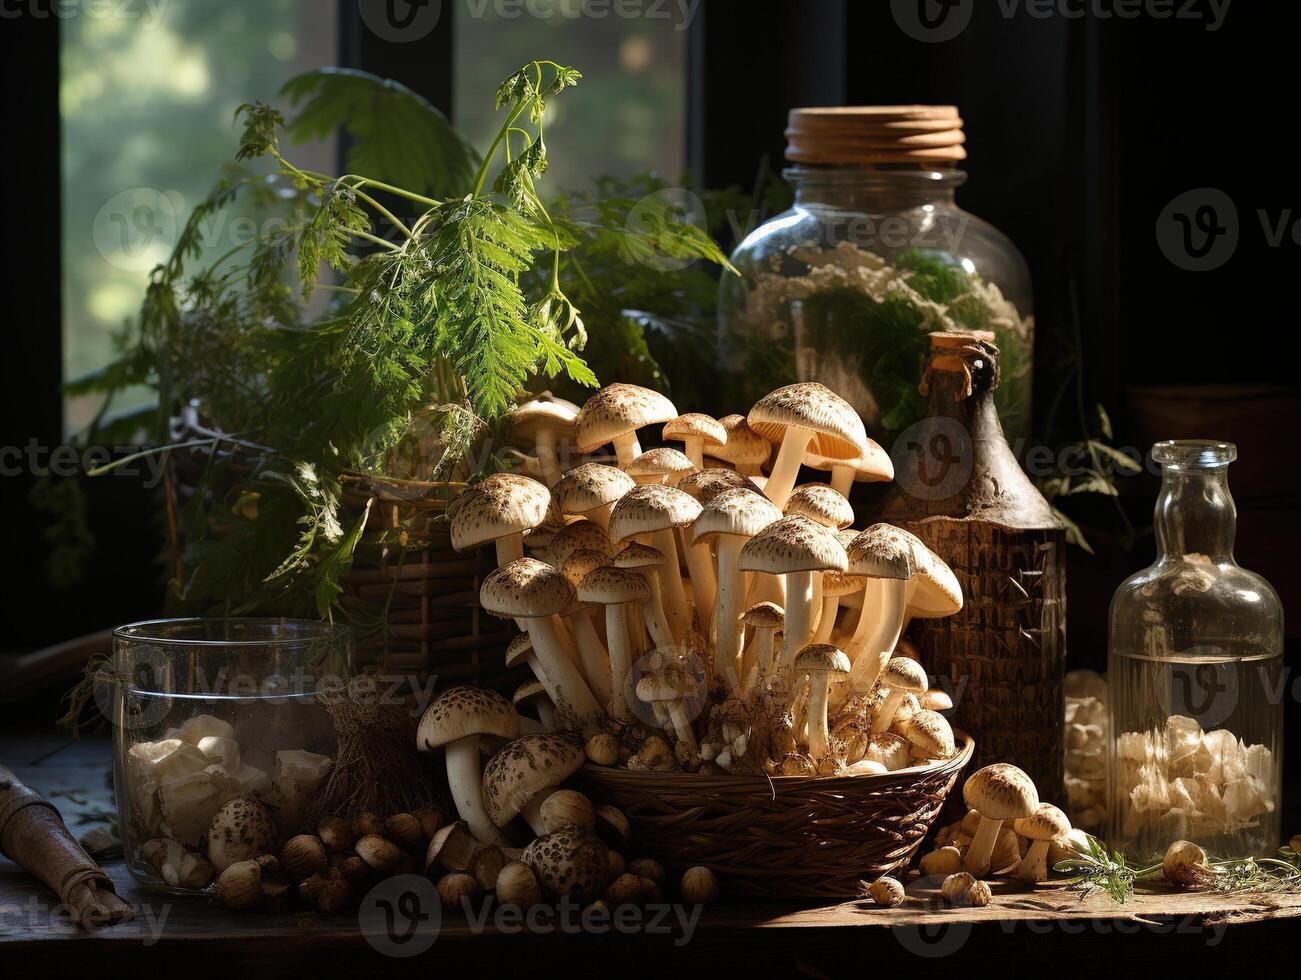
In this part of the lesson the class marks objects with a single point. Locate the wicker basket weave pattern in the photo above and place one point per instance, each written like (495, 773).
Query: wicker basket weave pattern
(788, 837)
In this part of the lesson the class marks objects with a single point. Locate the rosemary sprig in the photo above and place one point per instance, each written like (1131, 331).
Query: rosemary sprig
(1097, 869)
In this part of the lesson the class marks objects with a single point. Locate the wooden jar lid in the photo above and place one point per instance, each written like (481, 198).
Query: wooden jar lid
(916, 135)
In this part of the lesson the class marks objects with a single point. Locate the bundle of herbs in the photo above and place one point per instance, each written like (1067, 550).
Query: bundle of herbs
(377, 332)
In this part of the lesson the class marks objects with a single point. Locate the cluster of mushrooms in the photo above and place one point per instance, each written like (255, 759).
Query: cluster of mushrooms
(698, 604)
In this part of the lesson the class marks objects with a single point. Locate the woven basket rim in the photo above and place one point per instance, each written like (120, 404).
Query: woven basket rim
(750, 781)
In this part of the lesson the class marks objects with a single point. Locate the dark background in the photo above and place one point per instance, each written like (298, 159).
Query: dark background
(1081, 129)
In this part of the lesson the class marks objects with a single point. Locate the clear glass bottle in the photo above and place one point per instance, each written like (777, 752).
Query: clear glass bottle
(844, 287)
(1195, 679)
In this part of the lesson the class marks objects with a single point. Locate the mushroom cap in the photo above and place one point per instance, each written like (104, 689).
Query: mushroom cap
(837, 583)
(525, 589)
(636, 556)
(765, 616)
(616, 410)
(792, 544)
(590, 486)
(873, 466)
(820, 503)
(886, 551)
(838, 431)
(931, 735)
(462, 711)
(936, 699)
(646, 509)
(1045, 823)
(822, 658)
(569, 862)
(1001, 792)
(740, 512)
(664, 462)
(543, 412)
(502, 504)
(528, 691)
(903, 674)
(744, 446)
(695, 424)
(582, 562)
(936, 591)
(582, 535)
(524, 767)
(519, 650)
(611, 586)
(711, 481)
(665, 685)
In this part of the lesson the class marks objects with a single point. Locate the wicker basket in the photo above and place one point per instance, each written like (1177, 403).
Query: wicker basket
(428, 598)
(788, 837)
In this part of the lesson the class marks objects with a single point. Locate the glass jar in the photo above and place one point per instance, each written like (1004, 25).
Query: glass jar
(844, 287)
(207, 711)
(1195, 679)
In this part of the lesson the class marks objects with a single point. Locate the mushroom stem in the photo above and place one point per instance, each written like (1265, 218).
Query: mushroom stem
(601, 516)
(762, 669)
(703, 584)
(546, 710)
(693, 447)
(819, 740)
(616, 631)
(842, 480)
(727, 615)
(682, 725)
(976, 863)
(548, 461)
(466, 783)
(879, 626)
(626, 448)
(827, 618)
(883, 718)
(675, 596)
(569, 692)
(509, 547)
(786, 468)
(657, 623)
(595, 661)
(799, 610)
(532, 813)
(1034, 866)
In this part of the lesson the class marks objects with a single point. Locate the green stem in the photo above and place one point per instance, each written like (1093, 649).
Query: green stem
(482, 175)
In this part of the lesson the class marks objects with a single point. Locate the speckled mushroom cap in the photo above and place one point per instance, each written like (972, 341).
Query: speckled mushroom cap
(569, 862)
(462, 711)
(886, 551)
(528, 691)
(1001, 792)
(765, 616)
(582, 535)
(578, 565)
(792, 544)
(613, 587)
(903, 674)
(838, 431)
(937, 592)
(590, 486)
(651, 508)
(930, 734)
(664, 685)
(525, 589)
(825, 658)
(744, 446)
(710, 482)
(504, 503)
(820, 503)
(524, 767)
(1045, 823)
(240, 830)
(539, 413)
(836, 583)
(662, 462)
(616, 410)
(518, 650)
(638, 556)
(740, 512)
(873, 466)
(697, 425)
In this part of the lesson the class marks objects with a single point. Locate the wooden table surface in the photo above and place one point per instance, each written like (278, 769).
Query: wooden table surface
(1028, 931)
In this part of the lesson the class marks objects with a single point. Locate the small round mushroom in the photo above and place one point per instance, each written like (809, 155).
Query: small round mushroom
(568, 863)
(965, 890)
(764, 619)
(936, 700)
(615, 413)
(943, 861)
(818, 502)
(241, 829)
(591, 491)
(660, 467)
(901, 677)
(239, 886)
(625, 889)
(930, 735)
(671, 688)
(654, 512)
(803, 416)
(1184, 864)
(499, 510)
(698, 434)
(613, 827)
(522, 770)
(887, 892)
(303, 856)
(567, 808)
(700, 886)
(455, 721)
(456, 891)
(650, 869)
(1040, 827)
(999, 792)
(745, 449)
(543, 421)
(517, 886)
(602, 749)
(821, 661)
(380, 854)
(336, 834)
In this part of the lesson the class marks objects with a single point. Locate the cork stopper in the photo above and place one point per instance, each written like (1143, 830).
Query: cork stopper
(969, 353)
(909, 136)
